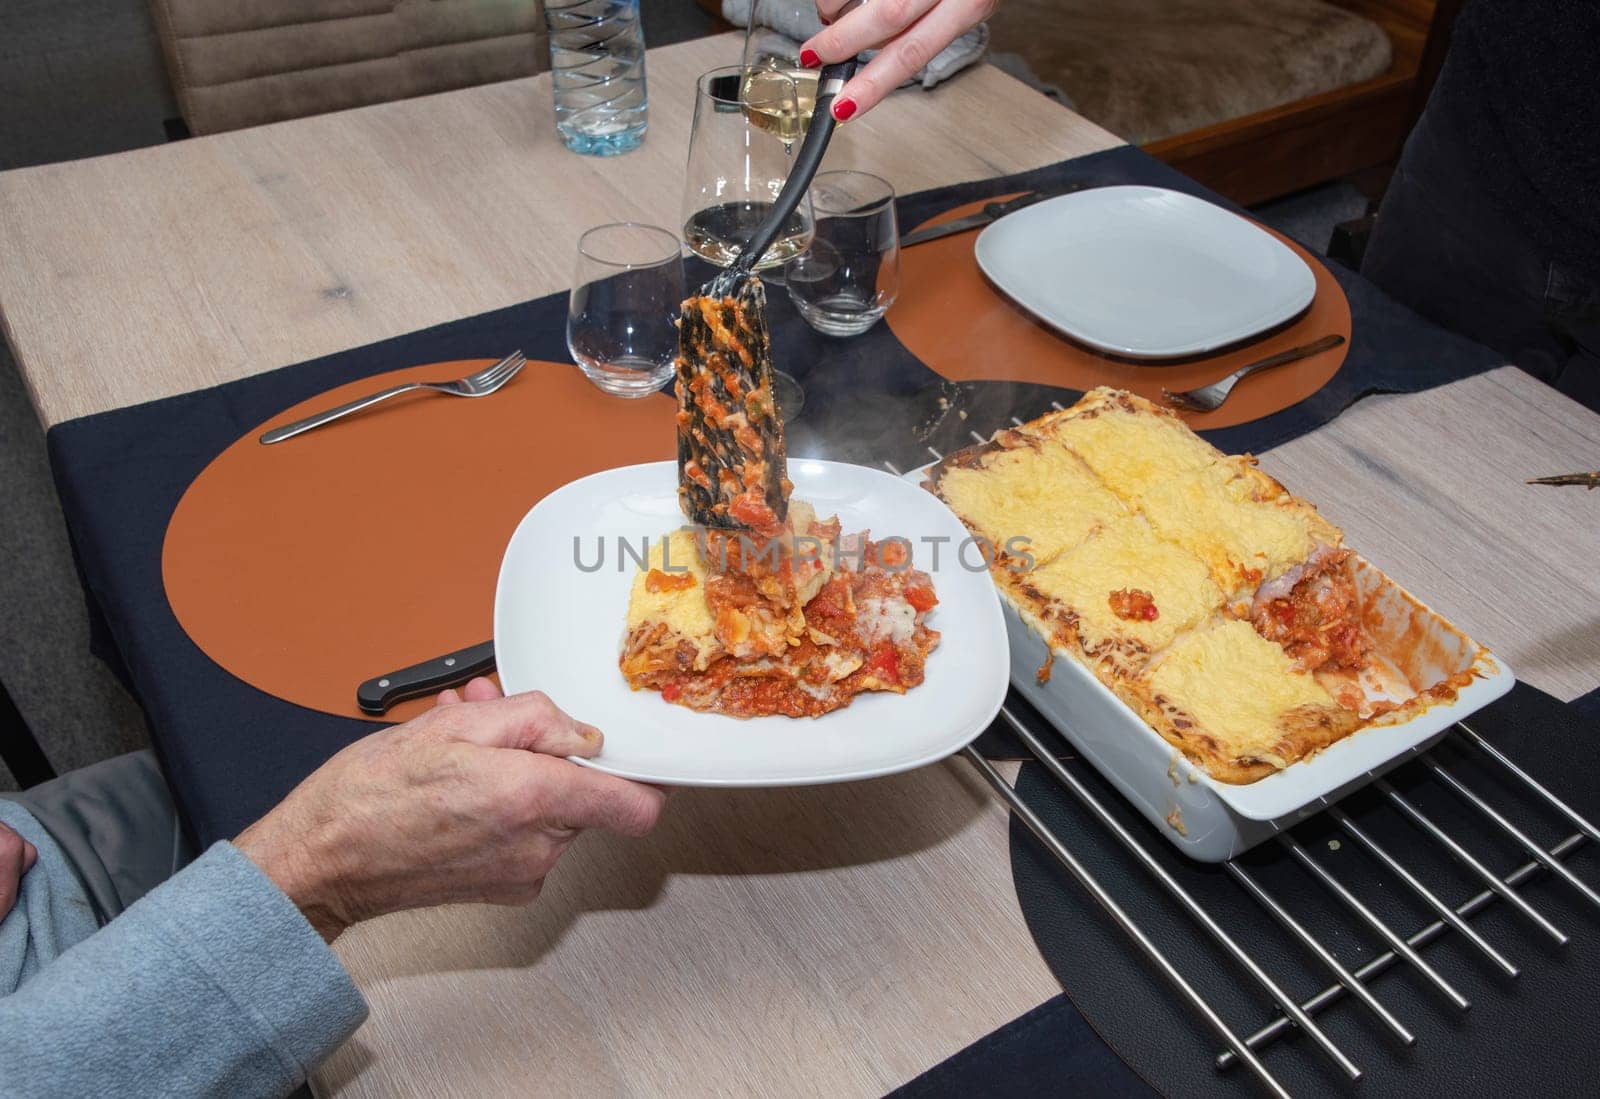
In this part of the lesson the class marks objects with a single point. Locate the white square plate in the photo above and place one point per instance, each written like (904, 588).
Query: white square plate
(558, 628)
(1144, 272)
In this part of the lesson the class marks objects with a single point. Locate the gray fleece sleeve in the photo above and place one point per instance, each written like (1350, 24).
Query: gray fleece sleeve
(212, 984)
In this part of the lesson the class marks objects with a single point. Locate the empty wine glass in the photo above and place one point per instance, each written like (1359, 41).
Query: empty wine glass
(621, 316)
(850, 275)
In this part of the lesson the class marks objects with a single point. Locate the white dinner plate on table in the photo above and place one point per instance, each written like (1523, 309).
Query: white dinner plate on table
(558, 628)
(1144, 272)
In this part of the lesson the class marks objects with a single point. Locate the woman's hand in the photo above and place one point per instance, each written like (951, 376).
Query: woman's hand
(910, 33)
(17, 857)
(472, 801)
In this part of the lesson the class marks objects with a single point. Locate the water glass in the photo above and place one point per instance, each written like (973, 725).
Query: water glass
(622, 314)
(850, 275)
(597, 70)
(736, 169)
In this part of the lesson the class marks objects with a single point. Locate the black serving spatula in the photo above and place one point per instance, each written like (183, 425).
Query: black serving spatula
(806, 161)
(732, 467)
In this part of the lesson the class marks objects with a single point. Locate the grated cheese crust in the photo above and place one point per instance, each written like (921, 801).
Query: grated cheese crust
(1030, 487)
(1244, 696)
(1129, 443)
(1126, 555)
(1154, 546)
(1237, 520)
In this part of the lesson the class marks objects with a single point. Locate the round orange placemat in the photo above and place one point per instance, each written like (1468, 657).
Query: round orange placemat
(308, 566)
(957, 323)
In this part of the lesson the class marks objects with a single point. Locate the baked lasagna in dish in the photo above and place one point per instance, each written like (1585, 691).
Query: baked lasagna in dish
(1222, 609)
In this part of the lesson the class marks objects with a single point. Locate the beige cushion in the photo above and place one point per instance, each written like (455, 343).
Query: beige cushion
(237, 63)
(1149, 69)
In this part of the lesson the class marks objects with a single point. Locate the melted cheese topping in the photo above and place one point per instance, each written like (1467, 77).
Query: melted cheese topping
(1235, 522)
(1041, 493)
(1162, 523)
(684, 611)
(1127, 554)
(891, 620)
(1130, 443)
(1238, 687)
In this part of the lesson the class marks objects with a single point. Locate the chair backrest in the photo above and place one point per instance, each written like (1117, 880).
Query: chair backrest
(236, 63)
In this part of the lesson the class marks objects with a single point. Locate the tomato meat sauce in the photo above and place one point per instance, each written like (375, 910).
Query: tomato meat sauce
(1133, 605)
(1318, 622)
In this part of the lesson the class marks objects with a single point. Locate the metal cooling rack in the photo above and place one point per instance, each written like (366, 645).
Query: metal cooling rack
(1402, 948)
(1356, 983)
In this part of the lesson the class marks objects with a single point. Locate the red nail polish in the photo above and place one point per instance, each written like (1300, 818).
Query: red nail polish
(843, 109)
(810, 60)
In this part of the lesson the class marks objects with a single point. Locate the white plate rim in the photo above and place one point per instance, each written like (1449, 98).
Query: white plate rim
(940, 749)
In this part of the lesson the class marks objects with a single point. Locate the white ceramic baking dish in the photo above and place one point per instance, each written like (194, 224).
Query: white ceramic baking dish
(1211, 820)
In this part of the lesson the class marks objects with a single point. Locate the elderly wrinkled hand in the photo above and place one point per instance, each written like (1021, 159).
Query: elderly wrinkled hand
(17, 857)
(470, 802)
(910, 33)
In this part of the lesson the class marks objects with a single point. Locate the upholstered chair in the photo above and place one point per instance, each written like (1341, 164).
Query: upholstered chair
(236, 63)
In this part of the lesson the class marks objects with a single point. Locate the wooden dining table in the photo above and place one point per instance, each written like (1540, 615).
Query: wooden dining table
(835, 940)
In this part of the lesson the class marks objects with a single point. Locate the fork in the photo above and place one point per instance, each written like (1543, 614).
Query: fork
(1210, 397)
(478, 384)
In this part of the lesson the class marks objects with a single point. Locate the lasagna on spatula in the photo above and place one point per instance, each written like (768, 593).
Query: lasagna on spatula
(762, 608)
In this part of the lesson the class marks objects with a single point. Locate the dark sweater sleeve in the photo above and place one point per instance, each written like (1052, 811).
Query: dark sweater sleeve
(1520, 93)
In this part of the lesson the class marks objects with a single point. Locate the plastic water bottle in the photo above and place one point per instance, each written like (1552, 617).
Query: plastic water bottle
(597, 67)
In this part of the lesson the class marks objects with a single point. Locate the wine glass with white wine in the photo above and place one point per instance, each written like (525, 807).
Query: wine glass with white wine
(736, 170)
(779, 95)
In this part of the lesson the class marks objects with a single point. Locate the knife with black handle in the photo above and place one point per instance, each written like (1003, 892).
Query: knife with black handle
(991, 212)
(376, 695)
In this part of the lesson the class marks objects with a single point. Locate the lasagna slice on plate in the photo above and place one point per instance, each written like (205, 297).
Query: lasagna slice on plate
(769, 611)
(796, 625)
